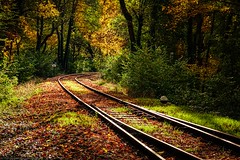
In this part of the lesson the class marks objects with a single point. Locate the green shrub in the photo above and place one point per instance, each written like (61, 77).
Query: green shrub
(43, 64)
(114, 67)
(150, 73)
(25, 64)
(84, 65)
(224, 93)
(6, 89)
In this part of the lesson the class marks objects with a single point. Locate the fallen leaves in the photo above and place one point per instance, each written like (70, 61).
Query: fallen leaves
(35, 134)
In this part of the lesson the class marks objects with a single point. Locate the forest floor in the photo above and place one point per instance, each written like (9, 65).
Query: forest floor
(51, 125)
(34, 132)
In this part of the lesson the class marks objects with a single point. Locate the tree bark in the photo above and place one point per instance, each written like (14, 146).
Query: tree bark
(139, 31)
(60, 33)
(39, 33)
(199, 39)
(40, 41)
(153, 25)
(70, 27)
(210, 41)
(128, 17)
(190, 53)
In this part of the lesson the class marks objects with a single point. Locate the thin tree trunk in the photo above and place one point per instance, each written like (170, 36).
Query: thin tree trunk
(199, 39)
(70, 27)
(153, 25)
(90, 51)
(190, 53)
(139, 31)
(60, 33)
(128, 17)
(39, 33)
(210, 41)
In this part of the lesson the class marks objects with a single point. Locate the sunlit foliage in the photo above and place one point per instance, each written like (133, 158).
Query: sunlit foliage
(48, 10)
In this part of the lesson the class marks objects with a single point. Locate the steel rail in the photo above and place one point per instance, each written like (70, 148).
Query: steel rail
(128, 131)
(147, 150)
(221, 138)
(179, 153)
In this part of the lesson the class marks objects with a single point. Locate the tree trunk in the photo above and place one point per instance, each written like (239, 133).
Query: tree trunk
(40, 28)
(128, 17)
(190, 53)
(199, 39)
(153, 25)
(90, 51)
(210, 41)
(139, 31)
(70, 27)
(39, 33)
(60, 46)
(60, 33)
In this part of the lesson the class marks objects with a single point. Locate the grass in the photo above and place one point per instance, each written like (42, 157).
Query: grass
(76, 88)
(210, 120)
(120, 109)
(20, 93)
(73, 118)
(111, 86)
(27, 90)
(147, 128)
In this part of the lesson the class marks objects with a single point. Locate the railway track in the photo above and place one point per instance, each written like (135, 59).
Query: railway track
(152, 145)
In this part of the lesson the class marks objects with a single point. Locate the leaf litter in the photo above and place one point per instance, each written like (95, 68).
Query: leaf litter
(36, 133)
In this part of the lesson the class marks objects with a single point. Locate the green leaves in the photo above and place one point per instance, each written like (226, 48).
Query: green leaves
(6, 88)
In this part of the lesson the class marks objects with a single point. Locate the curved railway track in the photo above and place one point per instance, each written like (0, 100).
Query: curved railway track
(152, 146)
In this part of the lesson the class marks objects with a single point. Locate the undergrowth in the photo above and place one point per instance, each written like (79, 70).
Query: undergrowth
(211, 120)
(13, 95)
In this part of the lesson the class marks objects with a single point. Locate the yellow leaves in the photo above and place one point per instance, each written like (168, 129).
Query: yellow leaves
(207, 23)
(164, 8)
(225, 9)
(80, 20)
(105, 150)
(107, 40)
(104, 37)
(181, 10)
(48, 10)
(203, 71)
(27, 29)
(10, 47)
(52, 40)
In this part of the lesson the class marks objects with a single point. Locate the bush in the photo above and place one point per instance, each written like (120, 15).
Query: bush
(84, 65)
(43, 65)
(114, 67)
(25, 64)
(28, 64)
(151, 74)
(6, 89)
(224, 93)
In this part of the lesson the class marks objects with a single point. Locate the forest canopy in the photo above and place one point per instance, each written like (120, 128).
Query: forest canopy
(186, 50)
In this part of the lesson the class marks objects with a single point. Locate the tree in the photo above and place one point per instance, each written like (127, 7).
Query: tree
(129, 20)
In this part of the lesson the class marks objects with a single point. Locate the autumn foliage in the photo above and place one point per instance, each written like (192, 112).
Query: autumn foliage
(202, 36)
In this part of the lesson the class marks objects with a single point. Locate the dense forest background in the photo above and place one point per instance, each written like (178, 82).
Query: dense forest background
(186, 50)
